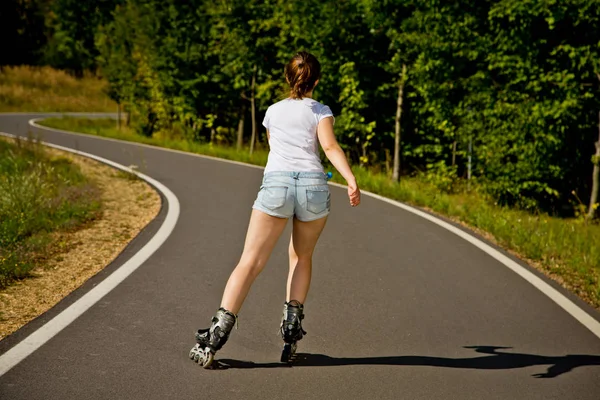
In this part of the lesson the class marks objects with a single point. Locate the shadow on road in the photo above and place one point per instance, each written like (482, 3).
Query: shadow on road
(493, 360)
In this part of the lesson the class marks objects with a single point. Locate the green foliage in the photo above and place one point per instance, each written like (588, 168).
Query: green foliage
(441, 176)
(357, 135)
(38, 195)
(519, 80)
(543, 74)
(73, 24)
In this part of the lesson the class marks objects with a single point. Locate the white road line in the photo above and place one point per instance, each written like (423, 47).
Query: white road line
(34, 341)
(573, 309)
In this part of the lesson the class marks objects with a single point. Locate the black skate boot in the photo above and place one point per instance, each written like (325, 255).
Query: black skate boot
(212, 339)
(291, 329)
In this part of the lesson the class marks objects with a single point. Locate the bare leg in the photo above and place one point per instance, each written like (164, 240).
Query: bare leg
(302, 245)
(263, 233)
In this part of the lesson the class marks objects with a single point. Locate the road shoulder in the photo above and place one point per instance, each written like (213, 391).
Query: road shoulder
(130, 204)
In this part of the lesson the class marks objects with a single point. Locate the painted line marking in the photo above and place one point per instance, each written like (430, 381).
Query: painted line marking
(34, 341)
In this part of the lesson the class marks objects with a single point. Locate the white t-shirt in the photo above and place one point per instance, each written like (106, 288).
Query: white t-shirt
(293, 142)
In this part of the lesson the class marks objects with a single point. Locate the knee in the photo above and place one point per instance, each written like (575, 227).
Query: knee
(304, 258)
(252, 266)
(300, 256)
(292, 253)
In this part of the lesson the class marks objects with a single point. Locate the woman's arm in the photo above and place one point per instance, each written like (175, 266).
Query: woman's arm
(336, 155)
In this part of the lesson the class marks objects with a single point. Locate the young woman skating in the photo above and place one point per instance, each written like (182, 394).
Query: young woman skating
(294, 185)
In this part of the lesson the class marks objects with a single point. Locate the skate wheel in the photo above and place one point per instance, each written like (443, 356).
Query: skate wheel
(285, 353)
(207, 359)
(194, 352)
(288, 352)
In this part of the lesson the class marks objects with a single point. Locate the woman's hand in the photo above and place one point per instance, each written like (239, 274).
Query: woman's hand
(353, 193)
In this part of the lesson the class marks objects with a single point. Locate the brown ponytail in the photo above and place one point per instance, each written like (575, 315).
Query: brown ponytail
(302, 73)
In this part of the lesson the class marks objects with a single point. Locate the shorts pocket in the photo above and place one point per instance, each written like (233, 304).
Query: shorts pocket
(273, 197)
(317, 201)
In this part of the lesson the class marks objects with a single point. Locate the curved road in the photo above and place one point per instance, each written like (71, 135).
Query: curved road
(399, 308)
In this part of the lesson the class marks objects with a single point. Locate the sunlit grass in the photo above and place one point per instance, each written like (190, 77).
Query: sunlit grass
(39, 195)
(44, 89)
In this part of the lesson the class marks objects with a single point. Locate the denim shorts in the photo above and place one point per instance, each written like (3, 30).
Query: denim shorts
(304, 195)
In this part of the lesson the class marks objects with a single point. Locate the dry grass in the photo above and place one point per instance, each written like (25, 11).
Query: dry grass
(44, 89)
(128, 206)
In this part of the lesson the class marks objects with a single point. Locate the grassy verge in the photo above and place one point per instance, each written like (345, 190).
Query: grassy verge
(45, 89)
(566, 250)
(40, 196)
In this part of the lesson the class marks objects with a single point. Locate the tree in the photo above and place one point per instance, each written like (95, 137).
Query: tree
(351, 122)
(401, 83)
(543, 96)
(392, 20)
(73, 26)
(514, 78)
(595, 176)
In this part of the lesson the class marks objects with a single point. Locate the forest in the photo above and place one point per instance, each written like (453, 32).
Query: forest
(497, 96)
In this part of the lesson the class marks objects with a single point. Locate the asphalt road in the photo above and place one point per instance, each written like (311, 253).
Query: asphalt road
(399, 308)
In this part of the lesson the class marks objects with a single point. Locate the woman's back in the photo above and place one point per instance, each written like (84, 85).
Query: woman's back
(292, 126)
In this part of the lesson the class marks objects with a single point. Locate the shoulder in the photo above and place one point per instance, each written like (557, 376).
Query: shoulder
(275, 107)
(279, 104)
(318, 108)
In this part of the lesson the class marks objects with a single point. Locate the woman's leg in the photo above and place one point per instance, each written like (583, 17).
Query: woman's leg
(302, 245)
(263, 233)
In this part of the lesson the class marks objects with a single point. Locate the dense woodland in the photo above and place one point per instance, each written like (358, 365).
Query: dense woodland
(510, 87)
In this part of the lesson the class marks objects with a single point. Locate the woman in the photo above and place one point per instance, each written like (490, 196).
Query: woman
(294, 185)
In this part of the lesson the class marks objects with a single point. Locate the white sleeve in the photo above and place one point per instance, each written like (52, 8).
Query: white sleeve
(326, 112)
(266, 119)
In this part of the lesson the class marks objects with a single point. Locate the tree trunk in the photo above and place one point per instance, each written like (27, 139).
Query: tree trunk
(240, 131)
(595, 175)
(128, 117)
(253, 109)
(469, 164)
(364, 160)
(454, 153)
(396, 172)
(118, 116)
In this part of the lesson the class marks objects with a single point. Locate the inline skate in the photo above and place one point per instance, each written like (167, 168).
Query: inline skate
(210, 340)
(291, 329)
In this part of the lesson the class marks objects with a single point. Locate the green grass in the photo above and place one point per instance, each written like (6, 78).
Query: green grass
(43, 89)
(567, 249)
(39, 196)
